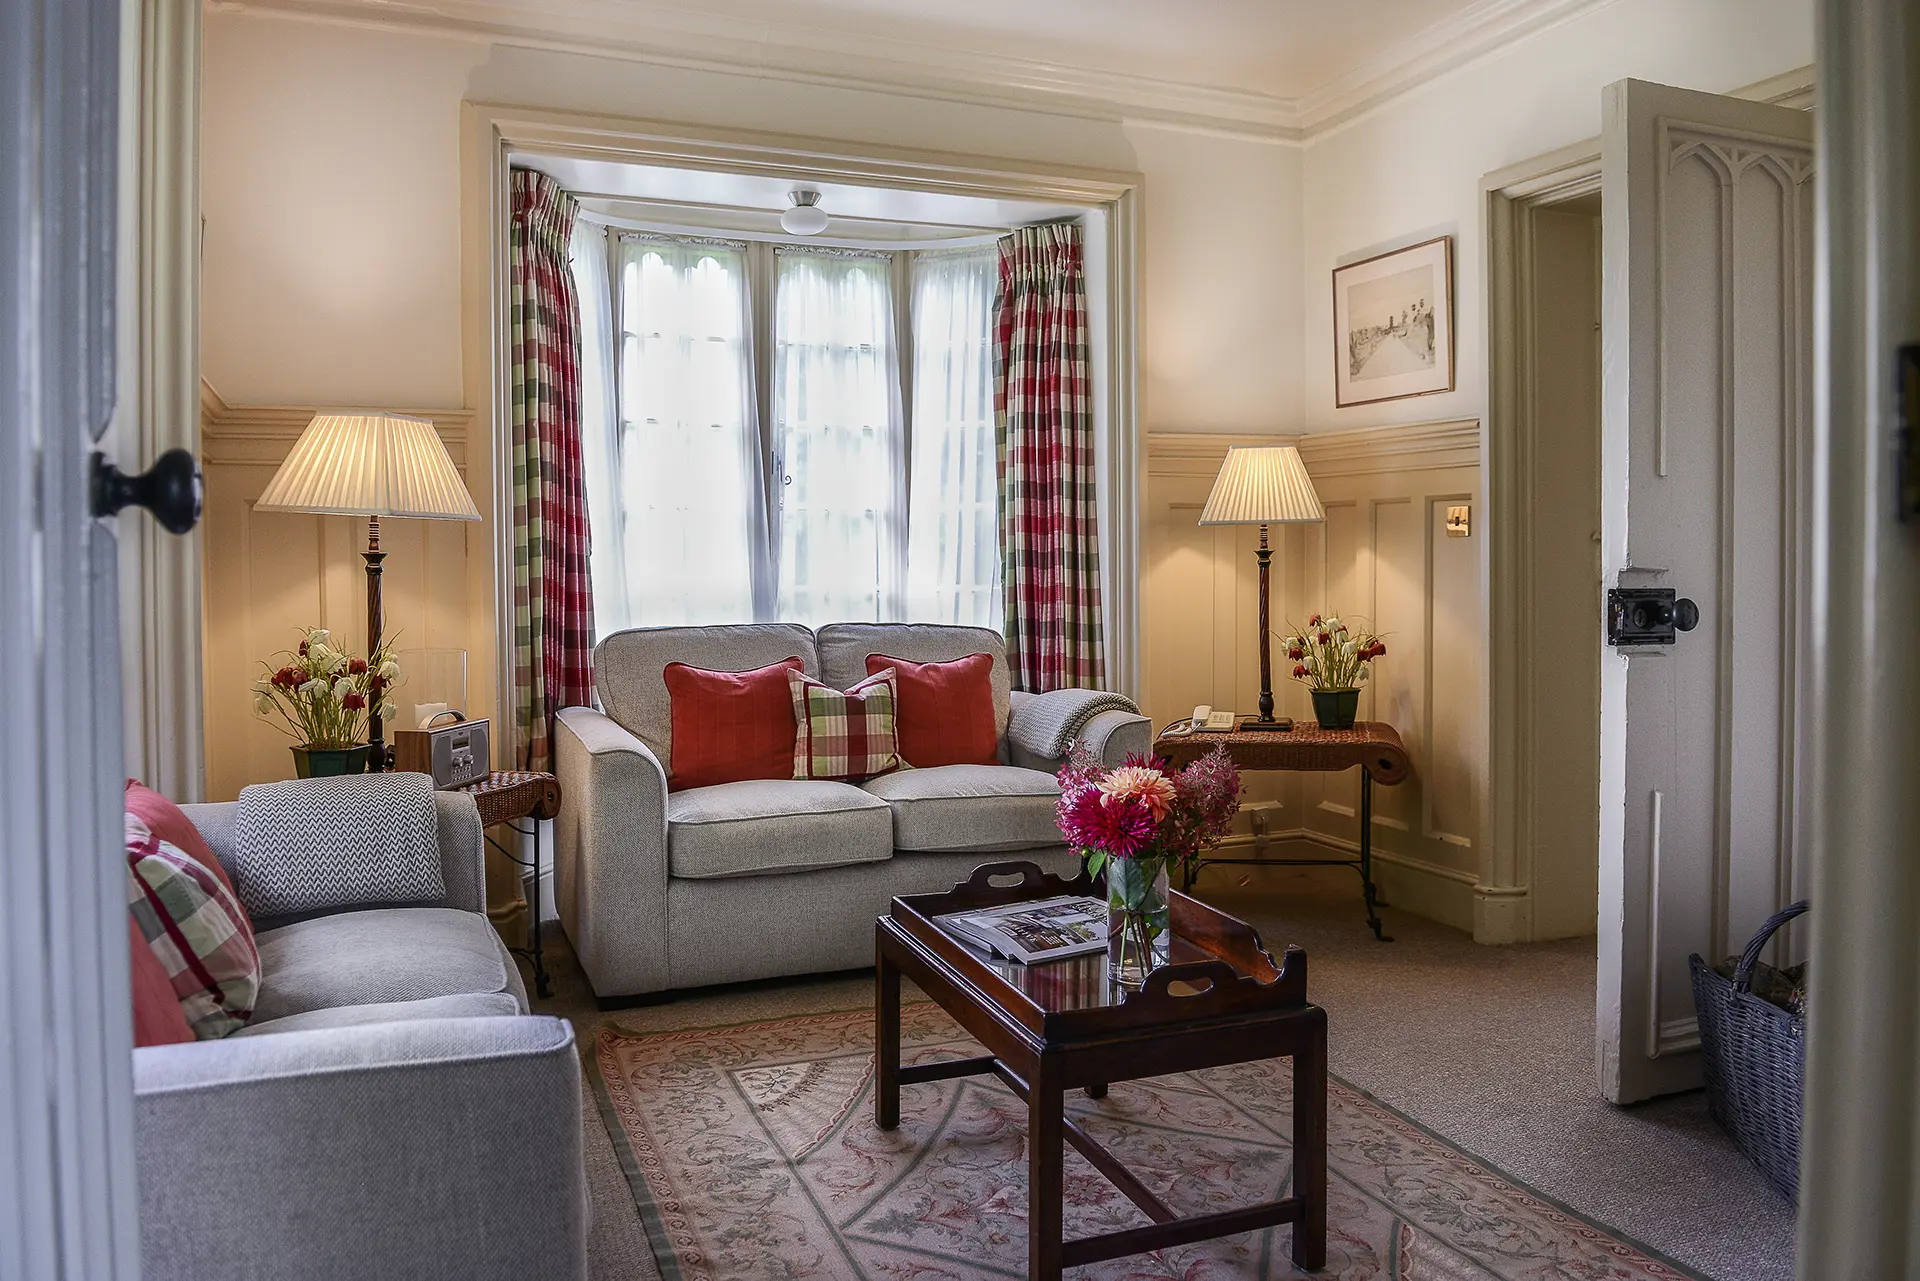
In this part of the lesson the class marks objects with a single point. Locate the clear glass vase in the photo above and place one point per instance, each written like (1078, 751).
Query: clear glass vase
(1138, 938)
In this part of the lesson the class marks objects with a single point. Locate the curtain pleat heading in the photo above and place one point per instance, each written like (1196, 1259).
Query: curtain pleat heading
(552, 585)
(1043, 422)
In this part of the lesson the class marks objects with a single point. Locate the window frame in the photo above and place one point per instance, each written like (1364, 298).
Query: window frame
(760, 256)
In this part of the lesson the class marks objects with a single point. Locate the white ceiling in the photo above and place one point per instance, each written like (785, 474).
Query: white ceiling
(1281, 48)
(1280, 69)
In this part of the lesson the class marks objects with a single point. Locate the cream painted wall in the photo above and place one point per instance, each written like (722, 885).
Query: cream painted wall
(1412, 170)
(331, 195)
(332, 276)
(332, 266)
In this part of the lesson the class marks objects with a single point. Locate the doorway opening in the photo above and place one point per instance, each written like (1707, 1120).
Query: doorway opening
(1543, 446)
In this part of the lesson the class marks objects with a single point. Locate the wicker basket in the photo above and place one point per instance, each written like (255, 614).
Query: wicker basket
(1755, 1056)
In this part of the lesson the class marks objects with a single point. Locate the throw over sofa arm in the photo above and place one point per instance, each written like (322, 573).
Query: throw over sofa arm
(610, 852)
(428, 1148)
(1041, 727)
(463, 866)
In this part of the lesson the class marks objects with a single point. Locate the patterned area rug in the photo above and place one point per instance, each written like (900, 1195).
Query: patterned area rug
(752, 1154)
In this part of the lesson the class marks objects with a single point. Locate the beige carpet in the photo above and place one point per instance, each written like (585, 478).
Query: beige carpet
(1491, 1048)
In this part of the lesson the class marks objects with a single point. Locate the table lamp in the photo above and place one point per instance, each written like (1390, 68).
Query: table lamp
(370, 465)
(1263, 485)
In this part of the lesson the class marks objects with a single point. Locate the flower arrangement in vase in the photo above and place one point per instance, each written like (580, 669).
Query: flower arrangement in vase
(1137, 821)
(324, 696)
(1333, 662)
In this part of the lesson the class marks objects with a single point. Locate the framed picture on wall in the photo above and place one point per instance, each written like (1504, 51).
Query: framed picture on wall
(1393, 325)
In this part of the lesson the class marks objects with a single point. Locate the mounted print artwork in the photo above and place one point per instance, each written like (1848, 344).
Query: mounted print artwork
(1393, 325)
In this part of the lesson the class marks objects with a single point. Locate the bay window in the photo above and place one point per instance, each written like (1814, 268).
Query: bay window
(827, 456)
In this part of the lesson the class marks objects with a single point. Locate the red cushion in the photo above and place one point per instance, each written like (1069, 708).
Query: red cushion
(157, 1016)
(946, 710)
(170, 823)
(729, 726)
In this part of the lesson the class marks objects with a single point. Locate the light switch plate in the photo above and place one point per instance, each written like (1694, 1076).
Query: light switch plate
(1459, 522)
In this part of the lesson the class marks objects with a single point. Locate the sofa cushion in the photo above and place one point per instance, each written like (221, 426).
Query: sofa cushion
(372, 957)
(194, 926)
(158, 1018)
(170, 823)
(845, 647)
(970, 807)
(730, 726)
(628, 667)
(845, 735)
(946, 710)
(463, 1005)
(754, 828)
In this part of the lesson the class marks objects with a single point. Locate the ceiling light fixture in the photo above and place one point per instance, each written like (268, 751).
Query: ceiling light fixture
(806, 218)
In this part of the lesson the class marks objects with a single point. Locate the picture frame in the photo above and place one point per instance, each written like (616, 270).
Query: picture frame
(1393, 325)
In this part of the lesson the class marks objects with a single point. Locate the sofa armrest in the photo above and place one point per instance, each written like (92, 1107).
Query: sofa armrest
(1113, 734)
(463, 866)
(610, 853)
(437, 1147)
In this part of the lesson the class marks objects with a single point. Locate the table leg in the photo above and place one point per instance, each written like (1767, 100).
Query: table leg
(540, 983)
(1310, 1149)
(1097, 1091)
(1371, 893)
(1046, 1140)
(886, 1041)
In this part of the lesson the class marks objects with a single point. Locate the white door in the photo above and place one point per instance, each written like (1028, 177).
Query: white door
(1707, 226)
(67, 1188)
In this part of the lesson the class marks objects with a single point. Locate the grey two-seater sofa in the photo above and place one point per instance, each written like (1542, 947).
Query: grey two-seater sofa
(660, 890)
(391, 1110)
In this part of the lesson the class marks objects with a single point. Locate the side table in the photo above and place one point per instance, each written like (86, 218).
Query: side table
(1374, 746)
(506, 799)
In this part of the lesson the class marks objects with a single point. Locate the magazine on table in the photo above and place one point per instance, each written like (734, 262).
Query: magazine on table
(1048, 930)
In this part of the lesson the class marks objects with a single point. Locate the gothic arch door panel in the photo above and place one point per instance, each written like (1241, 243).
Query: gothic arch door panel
(1707, 369)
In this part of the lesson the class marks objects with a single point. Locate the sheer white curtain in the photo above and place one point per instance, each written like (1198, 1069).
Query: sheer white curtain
(953, 546)
(837, 437)
(691, 497)
(599, 426)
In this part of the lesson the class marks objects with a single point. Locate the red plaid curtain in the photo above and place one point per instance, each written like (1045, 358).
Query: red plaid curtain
(1043, 418)
(552, 590)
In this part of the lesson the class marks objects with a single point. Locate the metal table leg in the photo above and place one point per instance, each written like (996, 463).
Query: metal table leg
(534, 951)
(1366, 855)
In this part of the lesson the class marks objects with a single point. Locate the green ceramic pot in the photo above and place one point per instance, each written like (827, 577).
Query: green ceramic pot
(329, 762)
(1335, 708)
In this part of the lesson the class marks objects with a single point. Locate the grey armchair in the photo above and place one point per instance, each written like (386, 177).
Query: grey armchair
(391, 1110)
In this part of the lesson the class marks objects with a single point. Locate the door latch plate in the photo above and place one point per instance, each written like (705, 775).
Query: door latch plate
(1648, 616)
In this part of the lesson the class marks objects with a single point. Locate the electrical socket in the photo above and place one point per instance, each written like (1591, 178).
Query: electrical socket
(1260, 821)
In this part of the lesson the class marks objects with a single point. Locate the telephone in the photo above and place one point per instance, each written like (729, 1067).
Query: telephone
(1205, 718)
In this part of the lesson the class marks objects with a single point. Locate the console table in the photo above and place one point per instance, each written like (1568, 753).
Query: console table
(1374, 746)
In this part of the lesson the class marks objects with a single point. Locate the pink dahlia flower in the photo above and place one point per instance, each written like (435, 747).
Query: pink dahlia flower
(1141, 783)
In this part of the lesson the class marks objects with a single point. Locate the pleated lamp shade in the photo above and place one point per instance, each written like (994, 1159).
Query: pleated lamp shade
(1262, 485)
(369, 465)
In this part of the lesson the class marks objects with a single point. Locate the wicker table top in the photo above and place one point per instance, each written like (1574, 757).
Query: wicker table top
(1373, 745)
(505, 795)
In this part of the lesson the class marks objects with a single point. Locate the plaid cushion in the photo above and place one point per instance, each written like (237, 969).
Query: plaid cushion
(196, 929)
(847, 736)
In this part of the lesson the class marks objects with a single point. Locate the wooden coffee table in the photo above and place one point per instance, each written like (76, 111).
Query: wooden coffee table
(1061, 1025)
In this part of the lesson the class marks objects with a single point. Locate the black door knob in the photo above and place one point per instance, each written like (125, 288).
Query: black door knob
(170, 489)
(1686, 614)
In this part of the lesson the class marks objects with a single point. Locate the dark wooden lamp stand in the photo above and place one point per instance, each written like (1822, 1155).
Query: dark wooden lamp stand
(1265, 720)
(376, 738)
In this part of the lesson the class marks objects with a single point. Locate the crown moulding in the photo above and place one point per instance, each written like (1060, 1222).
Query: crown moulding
(642, 32)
